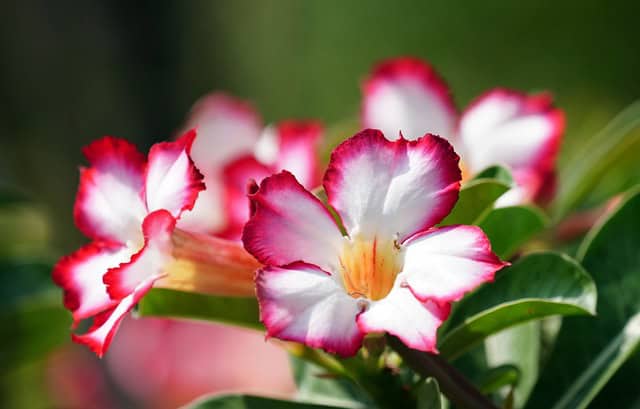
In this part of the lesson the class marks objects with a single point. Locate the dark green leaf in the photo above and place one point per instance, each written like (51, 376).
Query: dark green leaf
(610, 252)
(538, 285)
(517, 347)
(587, 386)
(428, 394)
(499, 173)
(241, 311)
(508, 228)
(250, 402)
(476, 199)
(316, 385)
(496, 378)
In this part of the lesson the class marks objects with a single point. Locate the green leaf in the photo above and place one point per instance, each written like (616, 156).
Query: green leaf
(517, 347)
(249, 402)
(508, 228)
(497, 172)
(240, 311)
(496, 378)
(587, 386)
(314, 384)
(475, 200)
(536, 286)
(428, 394)
(610, 252)
(597, 157)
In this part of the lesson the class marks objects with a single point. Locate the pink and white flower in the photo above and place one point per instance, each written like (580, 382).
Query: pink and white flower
(129, 207)
(505, 127)
(392, 271)
(234, 147)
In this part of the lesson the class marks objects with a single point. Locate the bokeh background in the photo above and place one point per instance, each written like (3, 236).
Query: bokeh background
(73, 71)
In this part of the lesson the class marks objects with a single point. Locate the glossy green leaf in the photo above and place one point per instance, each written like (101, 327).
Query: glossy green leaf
(587, 386)
(508, 228)
(428, 394)
(240, 311)
(517, 347)
(250, 402)
(476, 199)
(497, 172)
(597, 156)
(536, 286)
(610, 252)
(498, 377)
(314, 384)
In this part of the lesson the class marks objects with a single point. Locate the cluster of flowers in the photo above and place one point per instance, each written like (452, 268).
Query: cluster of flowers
(227, 209)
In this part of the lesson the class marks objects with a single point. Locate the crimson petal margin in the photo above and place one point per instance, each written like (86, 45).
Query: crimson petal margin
(105, 325)
(509, 127)
(80, 277)
(385, 188)
(401, 314)
(298, 150)
(443, 264)
(149, 261)
(406, 94)
(172, 182)
(289, 224)
(237, 177)
(108, 205)
(300, 302)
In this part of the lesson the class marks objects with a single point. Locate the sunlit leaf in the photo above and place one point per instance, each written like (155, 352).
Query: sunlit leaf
(610, 252)
(240, 311)
(536, 286)
(517, 347)
(250, 402)
(477, 197)
(508, 228)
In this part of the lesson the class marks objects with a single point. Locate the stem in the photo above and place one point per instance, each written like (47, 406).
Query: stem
(381, 386)
(453, 384)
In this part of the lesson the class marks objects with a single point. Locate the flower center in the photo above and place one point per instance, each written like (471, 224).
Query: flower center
(369, 267)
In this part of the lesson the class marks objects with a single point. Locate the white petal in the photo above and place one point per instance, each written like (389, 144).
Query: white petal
(302, 303)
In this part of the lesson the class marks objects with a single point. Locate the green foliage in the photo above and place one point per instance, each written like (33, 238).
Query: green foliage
(616, 353)
(32, 318)
(250, 402)
(478, 195)
(508, 228)
(496, 378)
(429, 395)
(240, 311)
(539, 285)
(315, 384)
(517, 347)
(611, 254)
(595, 158)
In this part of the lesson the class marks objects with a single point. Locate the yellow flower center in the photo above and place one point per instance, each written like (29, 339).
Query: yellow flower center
(369, 267)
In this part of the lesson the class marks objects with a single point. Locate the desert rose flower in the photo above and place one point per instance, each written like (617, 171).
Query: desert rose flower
(129, 207)
(233, 147)
(391, 271)
(506, 127)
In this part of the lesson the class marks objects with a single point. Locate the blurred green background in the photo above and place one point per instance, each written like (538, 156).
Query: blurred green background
(73, 71)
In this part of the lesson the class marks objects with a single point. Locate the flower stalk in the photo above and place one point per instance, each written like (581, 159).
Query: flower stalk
(453, 384)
